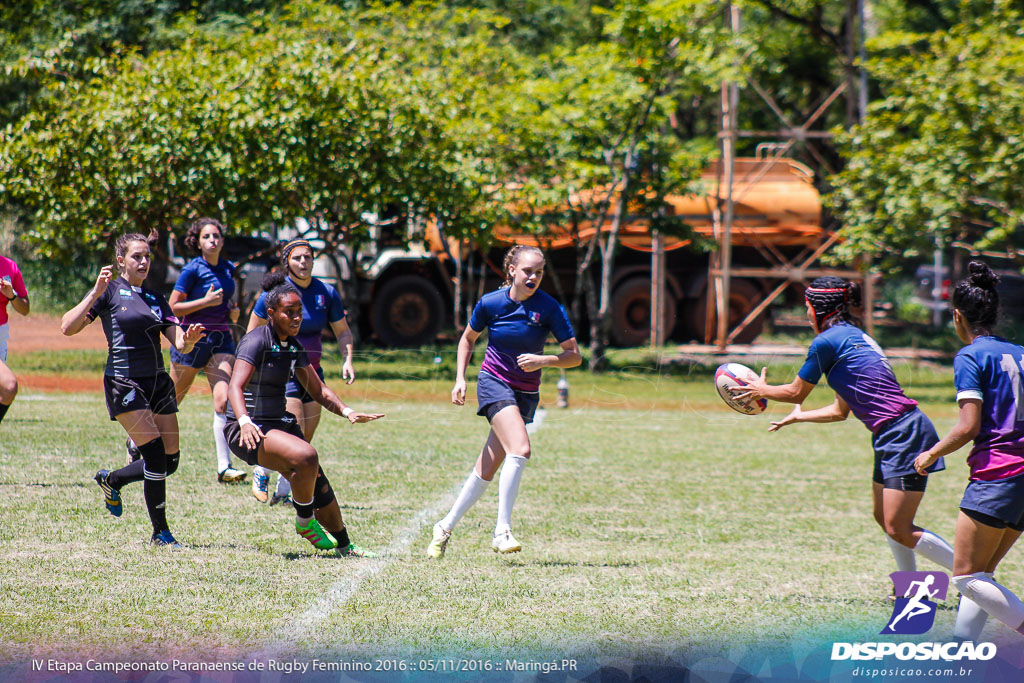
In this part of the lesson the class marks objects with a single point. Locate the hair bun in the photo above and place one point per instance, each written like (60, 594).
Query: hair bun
(981, 275)
(271, 280)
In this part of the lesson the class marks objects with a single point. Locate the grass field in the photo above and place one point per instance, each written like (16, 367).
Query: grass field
(653, 519)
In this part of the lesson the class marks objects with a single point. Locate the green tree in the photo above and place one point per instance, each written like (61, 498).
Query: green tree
(939, 158)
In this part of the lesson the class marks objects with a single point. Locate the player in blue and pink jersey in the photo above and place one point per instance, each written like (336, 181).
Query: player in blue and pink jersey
(858, 371)
(321, 307)
(518, 318)
(139, 393)
(205, 294)
(987, 373)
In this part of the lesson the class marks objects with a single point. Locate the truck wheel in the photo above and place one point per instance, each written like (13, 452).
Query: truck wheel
(631, 312)
(407, 311)
(743, 296)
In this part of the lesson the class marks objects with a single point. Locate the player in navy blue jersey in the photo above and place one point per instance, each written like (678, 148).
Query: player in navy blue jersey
(205, 294)
(321, 307)
(139, 393)
(261, 431)
(857, 370)
(518, 318)
(987, 373)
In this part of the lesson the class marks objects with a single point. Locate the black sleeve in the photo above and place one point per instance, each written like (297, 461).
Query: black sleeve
(101, 304)
(250, 348)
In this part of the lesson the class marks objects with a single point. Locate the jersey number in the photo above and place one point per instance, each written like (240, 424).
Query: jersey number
(1013, 368)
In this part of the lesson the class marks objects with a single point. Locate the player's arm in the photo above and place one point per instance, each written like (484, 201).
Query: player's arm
(794, 392)
(254, 322)
(184, 339)
(344, 335)
(570, 357)
(837, 411)
(963, 432)
(75, 320)
(326, 397)
(249, 435)
(465, 350)
(181, 308)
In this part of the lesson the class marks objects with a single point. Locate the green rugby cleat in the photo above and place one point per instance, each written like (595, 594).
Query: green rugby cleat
(353, 550)
(315, 534)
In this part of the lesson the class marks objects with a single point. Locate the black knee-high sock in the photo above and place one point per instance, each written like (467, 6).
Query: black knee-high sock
(155, 484)
(127, 475)
(341, 536)
(3, 411)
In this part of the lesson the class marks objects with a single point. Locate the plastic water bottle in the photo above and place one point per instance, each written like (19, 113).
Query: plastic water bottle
(563, 392)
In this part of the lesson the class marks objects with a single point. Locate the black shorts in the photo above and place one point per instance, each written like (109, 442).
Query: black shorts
(232, 432)
(493, 394)
(125, 394)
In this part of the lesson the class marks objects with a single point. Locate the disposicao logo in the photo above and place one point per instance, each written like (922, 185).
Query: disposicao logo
(914, 614)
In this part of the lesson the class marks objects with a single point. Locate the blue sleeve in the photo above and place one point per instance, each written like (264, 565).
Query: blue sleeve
(186, 279)
(820, 357)
(481, 317)
(260, 309)
(560, 325)
(967, 377)
(335, 306)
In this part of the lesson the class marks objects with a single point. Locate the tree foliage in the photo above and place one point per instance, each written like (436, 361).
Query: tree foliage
(940, 156)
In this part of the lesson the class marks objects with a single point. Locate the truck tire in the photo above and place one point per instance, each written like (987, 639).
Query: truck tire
(407, 311)
(631, 312)
(744, 295)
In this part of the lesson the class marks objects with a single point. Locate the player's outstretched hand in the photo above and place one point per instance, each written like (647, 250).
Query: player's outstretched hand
(356, 418)
(753, 389)
(792, 418)
(459, 392)
(194, 333)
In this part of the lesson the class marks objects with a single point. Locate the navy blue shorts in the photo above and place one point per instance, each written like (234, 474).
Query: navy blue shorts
(294, 388)
(232, 431)
(215, 341)
(494, 394)
(125, 394)
(898, 443)
(1002, 499)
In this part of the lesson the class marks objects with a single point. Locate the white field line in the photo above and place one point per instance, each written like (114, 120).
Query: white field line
(306, 624)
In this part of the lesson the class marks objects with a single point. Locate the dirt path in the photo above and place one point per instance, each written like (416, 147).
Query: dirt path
(42, 333)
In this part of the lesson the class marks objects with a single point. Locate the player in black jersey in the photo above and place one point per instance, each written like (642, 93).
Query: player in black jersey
(261, 431)
(139, 393)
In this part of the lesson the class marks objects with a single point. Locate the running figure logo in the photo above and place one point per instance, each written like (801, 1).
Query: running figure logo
(914, 612)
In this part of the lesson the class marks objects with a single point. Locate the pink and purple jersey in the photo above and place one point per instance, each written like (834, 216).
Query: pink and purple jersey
(989, 369)
(321, 305)
(858, 371)
(9, 268)
(515, 328)
(195, 281)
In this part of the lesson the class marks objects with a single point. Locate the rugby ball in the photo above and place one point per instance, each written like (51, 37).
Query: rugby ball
(737, 375)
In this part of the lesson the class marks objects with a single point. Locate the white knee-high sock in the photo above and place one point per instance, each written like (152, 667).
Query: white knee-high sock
(935, 549)
(905, 561)
(508, 489)
(223, 453)
(970, 617)
(283, 487)
(470, 493)
(994, 598)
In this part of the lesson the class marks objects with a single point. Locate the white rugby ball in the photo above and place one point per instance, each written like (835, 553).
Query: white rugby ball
(737, 375)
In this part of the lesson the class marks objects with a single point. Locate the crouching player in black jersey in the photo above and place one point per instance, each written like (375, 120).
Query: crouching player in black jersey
(260, 431)
(139, 393)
